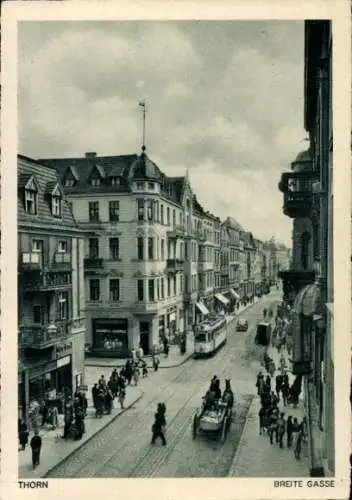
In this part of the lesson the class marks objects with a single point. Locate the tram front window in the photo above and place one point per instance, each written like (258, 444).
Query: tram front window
(200, 337)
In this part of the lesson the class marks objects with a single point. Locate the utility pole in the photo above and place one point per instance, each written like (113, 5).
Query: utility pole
(142, 105)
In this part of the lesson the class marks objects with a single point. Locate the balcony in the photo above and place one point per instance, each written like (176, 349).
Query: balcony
(175, 265)
(93, 263)
(46, 281)
(62, 260)
(41, 337)
(293, 281)
(146, 307)
(176, 232)
(31, 261)
(298, 193)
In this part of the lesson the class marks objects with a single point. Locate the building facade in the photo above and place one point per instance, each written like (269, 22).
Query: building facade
(51, 295)
(308, 285)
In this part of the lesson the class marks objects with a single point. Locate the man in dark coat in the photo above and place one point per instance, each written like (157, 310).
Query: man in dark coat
(36, 445)
(158, 427)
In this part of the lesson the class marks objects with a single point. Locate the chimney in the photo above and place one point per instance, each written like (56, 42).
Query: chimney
(90, 155)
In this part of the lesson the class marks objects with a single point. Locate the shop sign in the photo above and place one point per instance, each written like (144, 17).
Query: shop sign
(83, 388)
(42, 370)
(63, 361)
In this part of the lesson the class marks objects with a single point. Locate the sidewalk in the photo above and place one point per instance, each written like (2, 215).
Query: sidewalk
(174, 359)
(255, 456)
(56, 450)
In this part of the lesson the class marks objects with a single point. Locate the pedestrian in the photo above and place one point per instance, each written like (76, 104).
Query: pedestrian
(285, 391)
(109, 398)
(23, 435)
(281, 425)
(298, 446)
(156, 362)
(260, 383)
(268, 383)
(79, 422)
(136, 374)
(36, 445)
(289, 430)
(144, 368)
(102, 382)
(261, 415)
(128, 371)
(159, 427)
(273, 425)
(295, 431)
(278, 381)
(68, 419)
(94, 395)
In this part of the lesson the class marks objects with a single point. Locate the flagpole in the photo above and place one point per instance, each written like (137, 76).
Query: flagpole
(142, 105)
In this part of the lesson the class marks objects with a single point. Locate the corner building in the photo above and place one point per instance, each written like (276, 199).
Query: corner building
(144, 232)
(51, 299)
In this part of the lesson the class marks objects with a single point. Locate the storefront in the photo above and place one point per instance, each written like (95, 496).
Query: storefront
(171, 315)
(222, 303)
(110, 337)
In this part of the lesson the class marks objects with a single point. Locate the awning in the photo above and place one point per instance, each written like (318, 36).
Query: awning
(222, 299)
(307, 300)
(234, 294)
(202, 308)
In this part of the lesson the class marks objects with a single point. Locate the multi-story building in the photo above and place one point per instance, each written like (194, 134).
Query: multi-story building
(258, 267)
(249, 259)
(235, 251)
(283, 257)
(308, 285)
(51, 298)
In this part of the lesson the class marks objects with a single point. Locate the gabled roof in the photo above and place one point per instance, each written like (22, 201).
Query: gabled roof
(46, 179)
(233, 223)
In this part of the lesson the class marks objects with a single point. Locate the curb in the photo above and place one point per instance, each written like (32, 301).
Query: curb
(241, 443)
(94, 434)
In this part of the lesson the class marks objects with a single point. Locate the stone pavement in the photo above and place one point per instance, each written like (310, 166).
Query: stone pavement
(174, 359)
(255, 456)
(55, 450)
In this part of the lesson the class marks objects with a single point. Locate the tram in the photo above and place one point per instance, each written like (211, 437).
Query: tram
(209, 336)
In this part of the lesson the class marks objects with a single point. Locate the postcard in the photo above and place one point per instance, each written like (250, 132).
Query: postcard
(176, 249)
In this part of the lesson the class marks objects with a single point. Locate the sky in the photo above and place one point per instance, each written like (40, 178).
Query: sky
(224, 102)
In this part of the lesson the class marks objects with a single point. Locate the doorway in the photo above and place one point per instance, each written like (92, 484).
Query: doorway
(144, 330)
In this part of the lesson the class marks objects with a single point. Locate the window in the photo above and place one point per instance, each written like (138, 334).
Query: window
(181, 250)
(140, 248)
(151, 185)
(70, 206)
(140, 185)
(140, 290)
(162, 214)
(114, 248)
(69, 183)
(168, 286)
(38, 316)
(174, 285)
(168, 216)
(174, 218)
(181, 219)
(115, 181)
(158, 289)
(62, 247)
(31, 201)
(95, 181)
(56, 206)
(151, 290)
(162, 249)
(94, 289)
(188, 204)
(93, 248)
(305, 250)
(63, 305)
(114, 289)
(140, 209)
(114, 209)
(94, 211)
(37, 245)
(162, 288)
(150, 248)
(150, 210)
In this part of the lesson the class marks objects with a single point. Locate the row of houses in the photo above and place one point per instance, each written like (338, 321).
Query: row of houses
(113, 253)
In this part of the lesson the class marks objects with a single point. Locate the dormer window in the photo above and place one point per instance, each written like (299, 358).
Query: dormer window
(140, 185)
(151, 186)
(31, 197)
(69, 182)
(56, 200)
(95, 181)
(115, 181)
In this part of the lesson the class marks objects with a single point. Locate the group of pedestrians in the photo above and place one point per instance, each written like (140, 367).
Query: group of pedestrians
(75, 411)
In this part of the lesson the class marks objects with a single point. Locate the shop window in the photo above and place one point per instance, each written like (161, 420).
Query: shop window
(94, 211)
(111, 335)
(114, 248)
(114, 211)
(93, 248)
(94, 289)
(114, 289)
(140, 209)
(140, 290)
(140, 248)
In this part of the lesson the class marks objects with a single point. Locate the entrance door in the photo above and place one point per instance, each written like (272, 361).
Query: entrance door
(144, 329)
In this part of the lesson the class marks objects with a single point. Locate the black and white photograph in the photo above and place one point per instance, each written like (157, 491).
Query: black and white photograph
(175, 260)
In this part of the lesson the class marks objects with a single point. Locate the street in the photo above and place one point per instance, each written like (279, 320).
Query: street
(123, 448)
